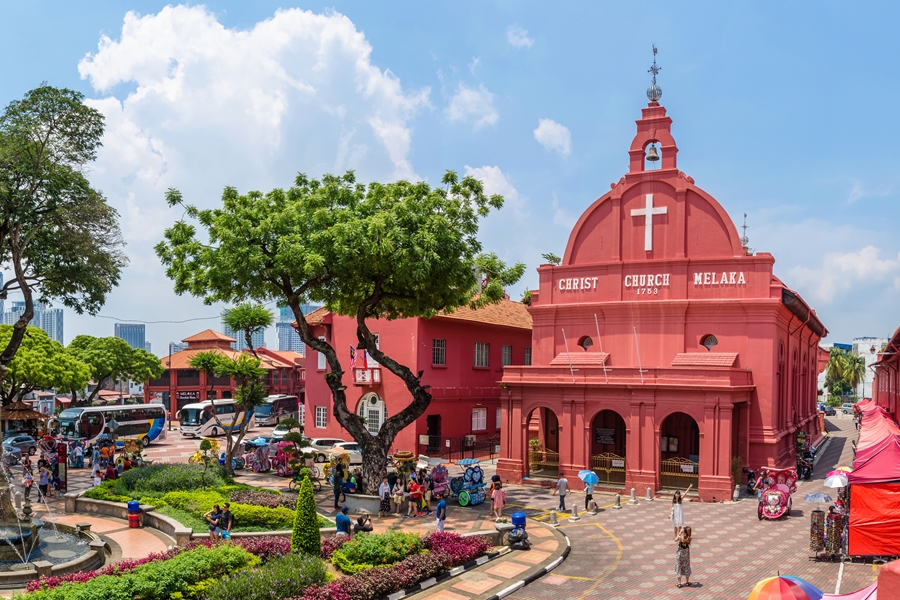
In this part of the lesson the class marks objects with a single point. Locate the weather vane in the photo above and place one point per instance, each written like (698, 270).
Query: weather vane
(745, 241)
(654, 92)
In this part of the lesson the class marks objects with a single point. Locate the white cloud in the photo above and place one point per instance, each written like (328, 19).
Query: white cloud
(553, 137)
(192, 104)
(469, 104)
(561, 216)
(496, 182)
(474, 64)
(841, 272)
(518, 37)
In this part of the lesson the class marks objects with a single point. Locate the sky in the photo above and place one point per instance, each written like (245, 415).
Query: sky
(779, 112)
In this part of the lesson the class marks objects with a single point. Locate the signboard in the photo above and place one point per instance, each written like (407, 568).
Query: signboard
(604, 436)
(423, 440)
(687, 468)
(188, 395)
(618, 464)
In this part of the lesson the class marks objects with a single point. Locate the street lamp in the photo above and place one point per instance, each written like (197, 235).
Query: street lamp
(169, 373)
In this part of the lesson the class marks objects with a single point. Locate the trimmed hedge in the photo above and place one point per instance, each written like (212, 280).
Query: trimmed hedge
(366, 550)
(279, 578)
(305, 536)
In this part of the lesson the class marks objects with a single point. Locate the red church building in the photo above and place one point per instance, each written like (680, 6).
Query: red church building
(463, 356)
(665, 352)
(886, 385)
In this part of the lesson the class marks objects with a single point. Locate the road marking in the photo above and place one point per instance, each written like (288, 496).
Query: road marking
(600, 579)
(573, 577)
(837, 586)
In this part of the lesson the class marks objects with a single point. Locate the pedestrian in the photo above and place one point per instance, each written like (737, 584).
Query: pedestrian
(384, 492)
(43, 484)
(494, 478)
(363, 524)
(677, 512)
(441, 514)
(95, 455)
(398, 494)
(104, 456)
(561, 488)
(98, 477)
(26, 463)
(111, 472)
(78, 456)
(498, 501)
(588, 494)
(337, 480)
(415, 497)
(226, 522)
(683, 556)
(342, 523)
(214, 517)
(27, 482)
(427, 489)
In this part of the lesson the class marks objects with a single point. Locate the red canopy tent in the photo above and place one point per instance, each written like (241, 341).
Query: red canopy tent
(875, 487)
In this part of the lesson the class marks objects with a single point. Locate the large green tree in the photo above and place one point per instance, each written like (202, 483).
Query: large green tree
(843, 373)
(366, 251)
(41, 363)
(111, 358)
(58, 236)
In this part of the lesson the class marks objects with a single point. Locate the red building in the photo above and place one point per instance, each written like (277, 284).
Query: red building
(462, 355)
(665, 352)
(886, 385)
(180, 384)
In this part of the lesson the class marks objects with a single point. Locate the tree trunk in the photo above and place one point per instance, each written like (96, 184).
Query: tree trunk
(375, 463)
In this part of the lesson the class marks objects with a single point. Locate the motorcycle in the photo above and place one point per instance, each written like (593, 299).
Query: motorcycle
(804, 468)
(751, 481)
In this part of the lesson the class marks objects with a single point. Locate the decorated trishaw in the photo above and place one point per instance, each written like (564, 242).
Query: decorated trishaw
(775, 488)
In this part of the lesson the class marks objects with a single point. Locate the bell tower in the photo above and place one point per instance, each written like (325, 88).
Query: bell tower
(653, 128)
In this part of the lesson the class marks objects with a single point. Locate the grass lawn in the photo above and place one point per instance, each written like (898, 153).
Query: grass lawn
(201, 526)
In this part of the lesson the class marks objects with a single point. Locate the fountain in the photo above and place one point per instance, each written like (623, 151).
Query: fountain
(19, 534)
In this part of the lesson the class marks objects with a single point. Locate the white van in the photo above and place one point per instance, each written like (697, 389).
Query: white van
(197, 419)
(276, 408)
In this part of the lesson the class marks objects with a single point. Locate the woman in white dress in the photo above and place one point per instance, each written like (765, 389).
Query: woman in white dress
(677, 512)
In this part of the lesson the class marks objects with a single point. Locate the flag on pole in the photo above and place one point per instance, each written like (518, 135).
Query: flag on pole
(352, 357)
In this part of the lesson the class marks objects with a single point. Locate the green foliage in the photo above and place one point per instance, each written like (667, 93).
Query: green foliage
(551, 258)
(158, 580)
(163, 478)
(285, 577)
(106, 491)
(843, 373)
(40, 363)
(305, 536)
(367, 550)
(112, 358)
(274, 519)
(248, 318)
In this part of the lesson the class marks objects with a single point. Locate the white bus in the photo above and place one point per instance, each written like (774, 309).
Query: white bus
(276, 408)
(144, 421)
(197, 419)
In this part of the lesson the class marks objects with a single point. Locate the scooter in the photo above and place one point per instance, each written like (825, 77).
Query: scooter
(751, 481)
(804, 468)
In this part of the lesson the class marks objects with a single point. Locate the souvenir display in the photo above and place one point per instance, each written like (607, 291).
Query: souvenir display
(833, 534)
(817, 531)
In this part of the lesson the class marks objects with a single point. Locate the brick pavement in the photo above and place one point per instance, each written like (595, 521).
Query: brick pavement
(629, 553)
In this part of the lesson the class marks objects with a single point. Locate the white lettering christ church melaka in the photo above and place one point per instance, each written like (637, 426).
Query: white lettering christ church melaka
(650, 284)
(578, 283)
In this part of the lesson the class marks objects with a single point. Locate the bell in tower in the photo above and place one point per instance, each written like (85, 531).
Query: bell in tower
(652, 154)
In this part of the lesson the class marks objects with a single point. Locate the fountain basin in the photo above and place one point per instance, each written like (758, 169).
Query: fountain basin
(87, 550)
(16, 543)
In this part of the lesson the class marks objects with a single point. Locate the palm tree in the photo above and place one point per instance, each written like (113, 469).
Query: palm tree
(855, 370)
(834, 371)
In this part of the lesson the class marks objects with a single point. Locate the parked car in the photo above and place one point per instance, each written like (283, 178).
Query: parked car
(847, 409)
(829, 411)
(11, 455)
(353, 448)
(319, 445)
(25, 443)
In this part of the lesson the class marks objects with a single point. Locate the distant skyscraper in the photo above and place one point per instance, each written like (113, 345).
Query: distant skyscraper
(133, 333)
(16, 308)
(286, 315)
(177, 347)
(258, 338)
(288, 338)
(147, 347)
(46, 318)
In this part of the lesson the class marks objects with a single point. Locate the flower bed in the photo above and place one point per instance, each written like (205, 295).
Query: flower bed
(367, 550)
(279, 578)
(447, 550)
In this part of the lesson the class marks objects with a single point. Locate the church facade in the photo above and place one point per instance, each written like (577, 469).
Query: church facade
(665, 352)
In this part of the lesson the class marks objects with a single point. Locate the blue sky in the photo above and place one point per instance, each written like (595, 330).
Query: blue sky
(780, 112)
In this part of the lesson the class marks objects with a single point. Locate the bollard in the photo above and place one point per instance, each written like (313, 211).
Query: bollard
(553, 517)
(649, 495)
(593, 506)
(575, 516)
(737, 493)
(633, 500)
(618, 503)
(17, 499)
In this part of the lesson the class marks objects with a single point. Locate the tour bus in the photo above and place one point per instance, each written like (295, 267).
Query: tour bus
(276, 408)
(197, 419)
(144, 421)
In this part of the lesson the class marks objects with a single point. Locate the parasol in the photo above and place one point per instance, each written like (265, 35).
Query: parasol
(18, 411)
(846, 469)
(836, 481)
(467, 462)
(869, 593)
(784, 588)
(589, 477)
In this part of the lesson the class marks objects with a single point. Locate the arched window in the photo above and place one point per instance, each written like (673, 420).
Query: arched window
(373, 410)
(585, 342)
(708, 341)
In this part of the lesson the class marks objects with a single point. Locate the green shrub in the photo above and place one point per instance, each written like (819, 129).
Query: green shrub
(226, 490)
(284, 577)
(260, 516)
(305, 536)
(105, 491)
(156, 580)
(186, 518)
(164, 478)
(199, 502)
(367, 550)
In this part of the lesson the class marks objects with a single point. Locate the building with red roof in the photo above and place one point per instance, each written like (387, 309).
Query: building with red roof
(886, 385)
(666, 353)
(181, 384)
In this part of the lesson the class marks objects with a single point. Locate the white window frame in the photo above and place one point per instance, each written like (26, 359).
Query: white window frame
(321, 417)
(527, 361)
(371, 362)
(368, 411)
(479, 419)
(322, 360)
(506, 356)
(482, 354)
(439, 347)
(499, 416)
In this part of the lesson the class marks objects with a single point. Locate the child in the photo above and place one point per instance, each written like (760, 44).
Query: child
(415, 497)
(498, 496)
(27, 482)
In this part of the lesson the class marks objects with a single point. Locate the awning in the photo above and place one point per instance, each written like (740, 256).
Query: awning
(64, 400)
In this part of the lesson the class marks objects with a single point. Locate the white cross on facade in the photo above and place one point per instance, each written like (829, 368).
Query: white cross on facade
(648, 212)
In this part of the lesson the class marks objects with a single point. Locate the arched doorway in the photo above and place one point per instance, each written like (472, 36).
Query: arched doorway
(542, 435)
(608, 448)
(373, 410)
(679, 464)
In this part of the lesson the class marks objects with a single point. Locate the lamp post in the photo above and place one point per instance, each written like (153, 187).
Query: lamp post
(169, 373)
